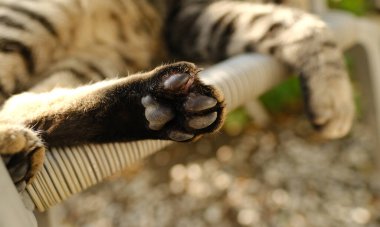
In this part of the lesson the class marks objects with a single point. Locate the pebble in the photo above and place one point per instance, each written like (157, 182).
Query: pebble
(213, 214)
(248, 217)
(224, 153)
(360, 215)
(279, 177)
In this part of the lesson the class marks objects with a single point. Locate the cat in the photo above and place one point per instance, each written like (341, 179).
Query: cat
(63, 63)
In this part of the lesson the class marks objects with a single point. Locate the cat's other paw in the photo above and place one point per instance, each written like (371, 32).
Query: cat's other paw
(23, 153)
(330, 104)
(179, 106)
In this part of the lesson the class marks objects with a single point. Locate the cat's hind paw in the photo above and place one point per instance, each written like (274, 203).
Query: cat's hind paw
(179, 106)
(330, 105)
(23, 153)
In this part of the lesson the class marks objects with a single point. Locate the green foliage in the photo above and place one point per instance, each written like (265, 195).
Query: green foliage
(278, 100)
(282, 96)
(358, 7)
(235, 121)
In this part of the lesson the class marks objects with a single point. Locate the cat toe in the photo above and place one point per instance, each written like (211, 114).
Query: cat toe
(156, 114)
(338, 125)
(180, 136)
(179, 82)
(201, 122)
(197, 102)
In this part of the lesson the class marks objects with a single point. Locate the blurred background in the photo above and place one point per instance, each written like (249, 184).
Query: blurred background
(246, 175)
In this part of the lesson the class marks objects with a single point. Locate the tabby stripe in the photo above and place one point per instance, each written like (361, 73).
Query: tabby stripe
(120, 27)
(215, 31)
(175, 33)
(94, 68)
(249, 48)
(9, 22)
(271, 32)
(309, 39)
(146, 24)
(80, 75)
(329, 44)
(34, 16)
(216, 26)
(305, 39)
(317, 67)
(127, 61)
(12, 46)
(336, 65)
(188, 26)
(302, 63)
(305, 88)
(3, 93)
(225, 37)
(97, 71)
(255, 18)
(122, 5)
(63, 8)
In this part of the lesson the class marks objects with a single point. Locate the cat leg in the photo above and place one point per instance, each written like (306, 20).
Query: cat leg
(21, 146)
(222, 29)
(169, 102)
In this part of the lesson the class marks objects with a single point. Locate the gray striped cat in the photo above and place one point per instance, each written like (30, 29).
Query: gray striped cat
(63, 65)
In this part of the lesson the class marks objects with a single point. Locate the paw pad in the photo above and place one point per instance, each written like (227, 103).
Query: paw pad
(181, 107)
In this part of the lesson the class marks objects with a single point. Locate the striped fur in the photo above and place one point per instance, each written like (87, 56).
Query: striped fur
(48, 44)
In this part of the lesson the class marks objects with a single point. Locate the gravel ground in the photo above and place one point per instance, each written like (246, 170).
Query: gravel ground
(278, 177)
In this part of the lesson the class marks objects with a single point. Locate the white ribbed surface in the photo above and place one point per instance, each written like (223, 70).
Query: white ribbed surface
(244, 77)
(73, 169)
(70, 170)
